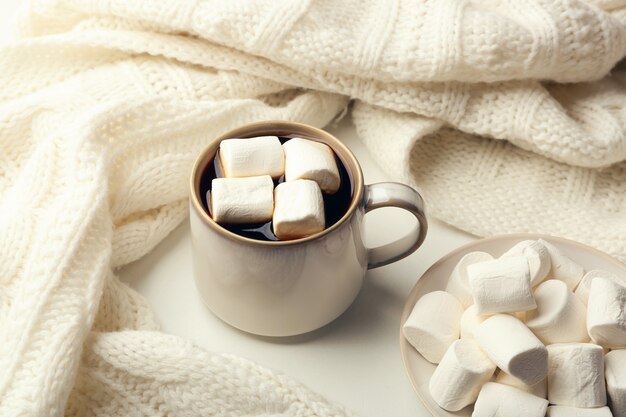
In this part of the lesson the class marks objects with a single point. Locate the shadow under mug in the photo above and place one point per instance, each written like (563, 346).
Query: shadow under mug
(286, 288)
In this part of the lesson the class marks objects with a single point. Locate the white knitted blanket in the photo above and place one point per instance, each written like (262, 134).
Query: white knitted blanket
(105, 103)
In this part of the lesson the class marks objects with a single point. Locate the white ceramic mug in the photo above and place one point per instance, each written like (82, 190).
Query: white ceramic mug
(291, 287)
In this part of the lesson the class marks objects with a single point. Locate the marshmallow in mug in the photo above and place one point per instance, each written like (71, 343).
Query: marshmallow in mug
(310, 160)
(297, 205)
(252, 157)
(242, 200)
(299, 209)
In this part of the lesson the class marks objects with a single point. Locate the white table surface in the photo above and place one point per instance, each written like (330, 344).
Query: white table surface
(355, 360)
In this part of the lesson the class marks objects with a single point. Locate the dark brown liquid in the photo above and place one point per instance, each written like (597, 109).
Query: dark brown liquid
(335, 205)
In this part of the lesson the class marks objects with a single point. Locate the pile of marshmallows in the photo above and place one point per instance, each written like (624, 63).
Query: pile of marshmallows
(534, 314)
(246, 194)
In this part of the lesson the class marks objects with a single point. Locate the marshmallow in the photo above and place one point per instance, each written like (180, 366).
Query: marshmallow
(252, 157)
(540, 389)
(459, 376)
(433, 325)
(458, 284)
(560, 315)
(576, 375)
(582, 291)
(563, 268)
(470, 320)
(513, 347)
(565, 411)
(537, 256)
(242, 200)
(299, 209)
(501, 285)
(606, 313)
(499, 400)
(615, 370)
(311, 160)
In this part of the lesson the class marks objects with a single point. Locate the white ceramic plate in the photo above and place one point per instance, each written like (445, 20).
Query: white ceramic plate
(436, 277)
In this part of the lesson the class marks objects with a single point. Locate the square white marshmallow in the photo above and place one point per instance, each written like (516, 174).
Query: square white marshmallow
(299, 210)
(576, 375)
(252, 157)
(310, 160)
(242, 200)
(501, 286)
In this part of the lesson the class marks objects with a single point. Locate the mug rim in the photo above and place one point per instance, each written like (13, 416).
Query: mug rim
(277, 128)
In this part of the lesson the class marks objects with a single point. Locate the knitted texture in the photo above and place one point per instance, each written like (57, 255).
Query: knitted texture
(503, 113)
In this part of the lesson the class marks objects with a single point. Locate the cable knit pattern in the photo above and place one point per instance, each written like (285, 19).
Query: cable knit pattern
(491, 187)
(503, 113)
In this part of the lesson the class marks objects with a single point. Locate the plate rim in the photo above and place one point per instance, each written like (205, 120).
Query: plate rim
(419, 283)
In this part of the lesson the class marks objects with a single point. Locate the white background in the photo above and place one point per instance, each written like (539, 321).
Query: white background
(356, 359)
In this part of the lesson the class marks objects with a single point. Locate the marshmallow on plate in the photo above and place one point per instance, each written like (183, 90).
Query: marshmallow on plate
(560, 315)
(615, 371)
(565, 411)
(582, 291)
(459, 376)
(562, 267)
(537, 256)
(513, 347)
(242, 200)
(252, 157)
(606, 313)
(501, 285)
(458, 284)
(540, 389)
(499, 400)
(299, 209)
(576, 375)
(311, 160)
(433, 324)
(470, 320)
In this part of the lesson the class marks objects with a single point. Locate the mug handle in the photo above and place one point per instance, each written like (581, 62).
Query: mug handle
(393, 194)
